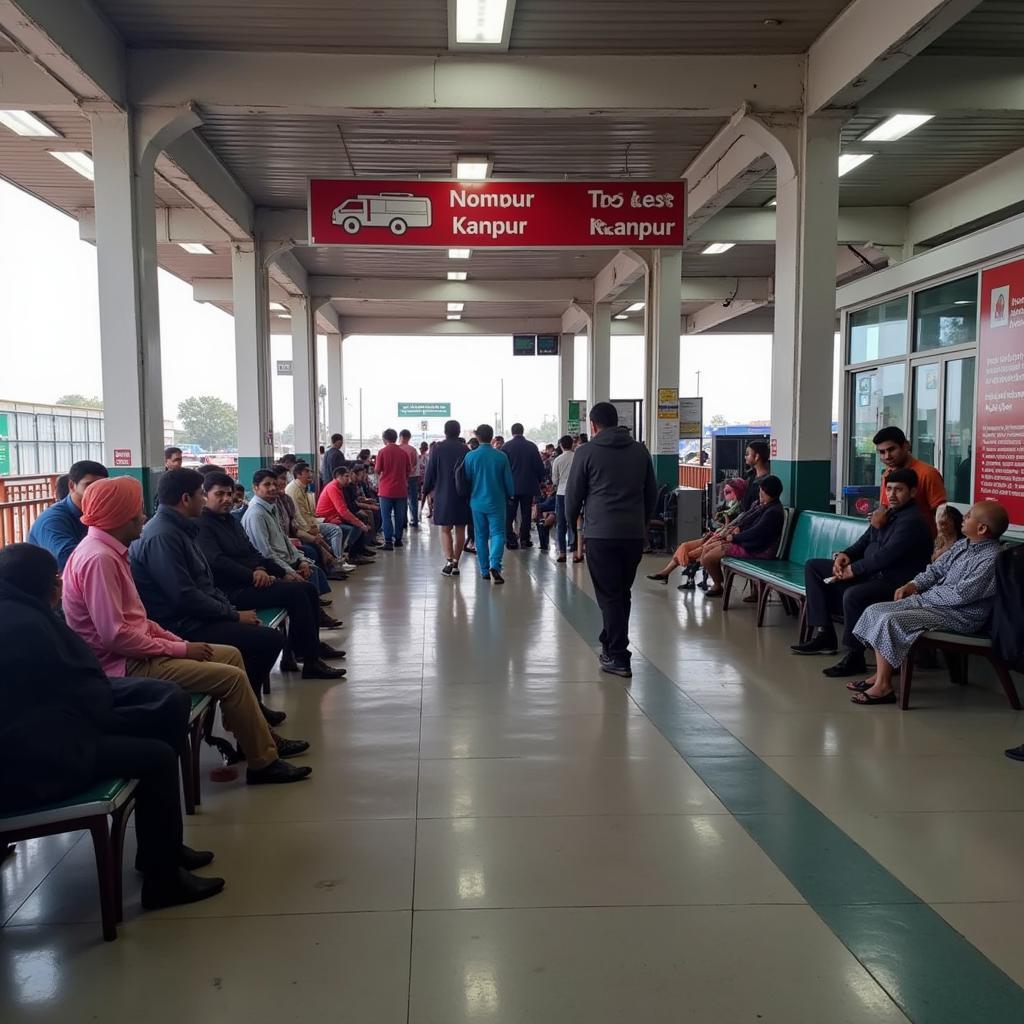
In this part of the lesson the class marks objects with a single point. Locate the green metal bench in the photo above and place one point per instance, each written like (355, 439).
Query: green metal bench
(103, 809)
(274, 618)
(813, 535)
(200, 720)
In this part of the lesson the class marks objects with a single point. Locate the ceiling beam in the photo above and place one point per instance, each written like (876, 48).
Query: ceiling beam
(397, 325)
(175, 224)
(868, 42)
(952, 85)
(718, 313)
(24, 85)
(431, 290)
(619, 273)
(218, 290)
(72, 43)
(746, 225)
(505, 86)
(289, 272)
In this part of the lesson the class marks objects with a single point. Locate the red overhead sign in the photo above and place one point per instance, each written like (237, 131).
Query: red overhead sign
(497, 214)
(1000, 417)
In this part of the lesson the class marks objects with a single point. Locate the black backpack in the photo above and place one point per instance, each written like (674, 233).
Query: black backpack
(1008, 614)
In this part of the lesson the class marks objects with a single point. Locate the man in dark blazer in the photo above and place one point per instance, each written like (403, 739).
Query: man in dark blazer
(527, 474)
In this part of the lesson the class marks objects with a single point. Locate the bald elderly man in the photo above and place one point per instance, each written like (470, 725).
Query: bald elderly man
(954, 594)
(102, 605)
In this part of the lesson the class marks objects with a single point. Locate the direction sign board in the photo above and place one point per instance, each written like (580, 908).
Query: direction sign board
(419, 410)
(284, 367)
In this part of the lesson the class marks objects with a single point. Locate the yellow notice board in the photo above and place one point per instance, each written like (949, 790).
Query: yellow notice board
(667, 441)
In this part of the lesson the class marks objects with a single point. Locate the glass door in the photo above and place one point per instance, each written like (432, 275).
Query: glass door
(924, 423)
(877, 399)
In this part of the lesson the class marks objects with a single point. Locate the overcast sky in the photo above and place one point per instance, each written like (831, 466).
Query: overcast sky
(51, 346)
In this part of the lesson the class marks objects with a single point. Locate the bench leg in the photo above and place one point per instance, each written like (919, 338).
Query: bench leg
(1007, 680)
(102, 849)
(118, 826)
(803, 630)
(204, 727)
(906, 678)
(188, 781)
(728, 577)
(763, 593)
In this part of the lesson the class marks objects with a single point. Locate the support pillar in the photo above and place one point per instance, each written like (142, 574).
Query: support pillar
(661, 347)
(566, 373)
(304, 379)
(335, 385)
(805, 313)
(252, 360)
(599, 355)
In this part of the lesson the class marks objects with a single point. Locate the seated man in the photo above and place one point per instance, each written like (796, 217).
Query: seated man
(954, 594)
(894, 550)
(251, 581)
(59, 528)
(544, 515)
(263, 528)
(365, 496)
(239, 504)
(334, 508)
(175, 584)
(313, 546)
(62, 731)
(305, 514)
(102, 605)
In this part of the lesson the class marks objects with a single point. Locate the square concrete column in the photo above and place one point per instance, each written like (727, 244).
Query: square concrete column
(805, 314)
(252, 360)
(304, 379)
(128, 299)
(599, 354)
(335, 384)
(661, 347)
(566, 373)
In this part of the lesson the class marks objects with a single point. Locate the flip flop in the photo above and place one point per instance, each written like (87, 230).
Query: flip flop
(860, 686)
(866, 698)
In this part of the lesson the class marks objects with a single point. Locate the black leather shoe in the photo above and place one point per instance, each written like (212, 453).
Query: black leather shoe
(279, 772)
(852, 663)
(180, 888)
(327, 651)
(820, 643)
(616, 670)
(188, 858)
(318, 669)
(272, 717)
(290, 748)
(289, 664)
(1017, 753)
(496, 576)
(328, 621)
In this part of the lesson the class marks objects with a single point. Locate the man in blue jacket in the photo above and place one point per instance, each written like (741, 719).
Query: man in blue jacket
(59, 529)
(894, 549)
(527, 473)
(489, 475)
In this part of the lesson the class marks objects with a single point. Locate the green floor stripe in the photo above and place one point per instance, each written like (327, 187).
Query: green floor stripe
(929, 969)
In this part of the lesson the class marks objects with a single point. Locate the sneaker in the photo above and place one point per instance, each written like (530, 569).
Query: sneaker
(386, 546)
(347, 567)
(277, 773)
(399, 544)
(820, 643)
(614, 669)
(561, 557)
(852, 663)
(447, 570)
(364, 560)
(486, 576)
(496, 576)
(526, 543)
(455, 569)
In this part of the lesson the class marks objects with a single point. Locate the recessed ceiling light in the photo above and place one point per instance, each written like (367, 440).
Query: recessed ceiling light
(848, 161)
(717, 248)
(279, 307)
(454, 316)
(458, 254)
(76, 160)
(620, 316)
(196, 248)
(964, 302)
(896, 127)
(472, 168)
(24, 122)
(480, 21)
(772, 202)
(456, 307)
(634, 307)
(457, 275)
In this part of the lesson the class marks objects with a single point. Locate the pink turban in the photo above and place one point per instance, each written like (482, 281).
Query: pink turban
(108, 504)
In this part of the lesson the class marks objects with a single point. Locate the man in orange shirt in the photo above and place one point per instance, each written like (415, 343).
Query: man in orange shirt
(894, 450)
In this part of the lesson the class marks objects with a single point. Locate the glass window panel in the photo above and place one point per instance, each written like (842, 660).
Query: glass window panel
(958, 429)
(876, 401)
(62, 428)
(946, 315)
(879, 331)
(924, 425)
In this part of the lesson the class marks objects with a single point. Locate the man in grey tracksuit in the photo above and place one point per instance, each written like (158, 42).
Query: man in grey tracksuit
(612, 483)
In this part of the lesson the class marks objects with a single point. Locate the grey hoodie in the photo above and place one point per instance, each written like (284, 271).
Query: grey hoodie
(613, 477)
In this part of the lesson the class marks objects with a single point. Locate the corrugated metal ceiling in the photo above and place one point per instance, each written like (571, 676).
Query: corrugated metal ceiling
(994, 28)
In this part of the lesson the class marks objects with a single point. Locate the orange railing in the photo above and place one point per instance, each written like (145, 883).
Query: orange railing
(694, 476)
(22, 501)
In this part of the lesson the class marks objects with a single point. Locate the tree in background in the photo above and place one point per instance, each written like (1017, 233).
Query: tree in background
(718, 420)
(209, 422)
(81, 401)
(547, 431)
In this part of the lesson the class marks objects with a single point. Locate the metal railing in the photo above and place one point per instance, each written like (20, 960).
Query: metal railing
(22, 501)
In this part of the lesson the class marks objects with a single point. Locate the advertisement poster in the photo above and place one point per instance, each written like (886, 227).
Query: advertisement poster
(691, 419)
(1000, 416)
(667, 441)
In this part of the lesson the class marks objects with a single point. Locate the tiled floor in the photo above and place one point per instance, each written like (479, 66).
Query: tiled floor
(496, 832)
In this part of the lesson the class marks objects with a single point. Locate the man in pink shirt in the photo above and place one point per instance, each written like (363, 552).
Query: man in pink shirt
(103, 606)
(393, 471)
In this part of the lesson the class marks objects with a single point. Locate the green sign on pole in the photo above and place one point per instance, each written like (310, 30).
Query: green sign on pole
(5, 448)
(424, 410)
(577, 412)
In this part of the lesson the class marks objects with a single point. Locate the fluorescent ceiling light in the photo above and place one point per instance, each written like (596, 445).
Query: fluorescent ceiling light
(456, 307)
(896, 127)
(480, 21)
(964, 302)
(472, 168)
(457, 275)
(454, 316)
(717, 248)
(848, 161)
(620, 316)
(772, 202)
(284, 316)
(77, 161)
(458, 254)
(634, 307)
(196, 248)
(23, 122)
(279, 307)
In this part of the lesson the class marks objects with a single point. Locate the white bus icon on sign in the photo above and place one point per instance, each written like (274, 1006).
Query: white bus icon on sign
(397, 211)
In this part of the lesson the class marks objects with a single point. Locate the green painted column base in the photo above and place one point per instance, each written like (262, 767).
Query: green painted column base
(805, 483)
(666, 469)
(144, 475)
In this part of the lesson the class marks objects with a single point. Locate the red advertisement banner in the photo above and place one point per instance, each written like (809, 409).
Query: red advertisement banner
(497, 214)
(1000, 417)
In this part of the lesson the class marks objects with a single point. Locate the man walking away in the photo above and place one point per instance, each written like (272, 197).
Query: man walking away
(334, 458)
(527, 473)
(490, 479)
(451, 509)
(393, 469)
(612, 475)
(414, 480)
(565, 531)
